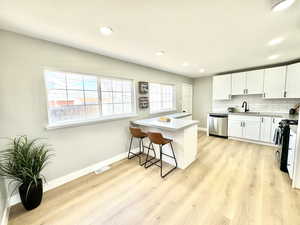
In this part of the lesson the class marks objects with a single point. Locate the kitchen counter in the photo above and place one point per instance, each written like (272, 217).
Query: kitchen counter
(183, 132)
(179, 115)
(173, 125)
(263, 114)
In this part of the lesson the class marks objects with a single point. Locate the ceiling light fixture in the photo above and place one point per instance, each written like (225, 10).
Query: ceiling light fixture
(185, 64)
(160, 53)
(279, 5)
(202, 70)
(273, 57)
(106, 31)
(276, 41)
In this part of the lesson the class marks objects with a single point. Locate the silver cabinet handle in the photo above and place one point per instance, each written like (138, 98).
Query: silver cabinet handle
(284, 94)
(262, 119)
(273, 120)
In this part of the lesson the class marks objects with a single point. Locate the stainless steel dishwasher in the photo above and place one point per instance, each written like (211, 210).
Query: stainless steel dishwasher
(218, 124)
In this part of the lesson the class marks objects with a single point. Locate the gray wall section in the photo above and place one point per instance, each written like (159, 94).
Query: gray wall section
(23, 106)
(202, 99)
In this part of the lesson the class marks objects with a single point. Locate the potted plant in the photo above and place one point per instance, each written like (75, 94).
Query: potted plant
(23, 162)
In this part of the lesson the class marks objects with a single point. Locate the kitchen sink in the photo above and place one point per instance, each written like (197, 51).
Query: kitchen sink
(246, 113)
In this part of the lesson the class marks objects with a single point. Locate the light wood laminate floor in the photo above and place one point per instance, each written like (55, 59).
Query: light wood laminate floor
(230, 183)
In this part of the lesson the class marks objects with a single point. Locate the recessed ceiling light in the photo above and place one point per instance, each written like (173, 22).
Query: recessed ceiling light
(106, 31)
(202, 70)
(185, 64)
(273, 57)
(160, 53)
(279, 5)
(276, 41)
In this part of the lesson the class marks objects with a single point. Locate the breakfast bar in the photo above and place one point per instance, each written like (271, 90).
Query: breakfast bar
(181, 129)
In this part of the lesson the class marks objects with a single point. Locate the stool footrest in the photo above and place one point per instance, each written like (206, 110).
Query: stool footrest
(168, 155)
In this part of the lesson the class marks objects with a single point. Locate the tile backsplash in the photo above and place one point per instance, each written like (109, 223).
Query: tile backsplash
(256, 103)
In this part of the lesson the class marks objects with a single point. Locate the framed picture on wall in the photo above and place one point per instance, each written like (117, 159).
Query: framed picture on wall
(143, 87)
(143, 102)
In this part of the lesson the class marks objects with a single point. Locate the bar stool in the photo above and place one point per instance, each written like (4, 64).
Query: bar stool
(137, 133)
(158, 139)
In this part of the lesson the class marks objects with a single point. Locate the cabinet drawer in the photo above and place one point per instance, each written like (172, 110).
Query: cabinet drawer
(244, 118)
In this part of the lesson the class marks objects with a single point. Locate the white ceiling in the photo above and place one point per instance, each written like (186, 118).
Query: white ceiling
(218, 35)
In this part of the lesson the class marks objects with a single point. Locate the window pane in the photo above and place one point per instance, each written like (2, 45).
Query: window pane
(107, 109)
(91, 97)
(117, 85)
(118, 108)
(127, 98)
(57, 98)
(55, 80)
(117, 97)
(106, 85)
(92, 111)
(127, 86)
(57, 114)
(106, 97)
(76, 112)
(75, 98)
(90, 83)
(127, 108)
(74, 81)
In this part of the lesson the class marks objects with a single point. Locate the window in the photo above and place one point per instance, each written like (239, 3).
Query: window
(161, 97)
(76, 97)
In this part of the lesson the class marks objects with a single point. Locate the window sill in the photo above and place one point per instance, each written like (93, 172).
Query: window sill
(87, 122)
(163, 111)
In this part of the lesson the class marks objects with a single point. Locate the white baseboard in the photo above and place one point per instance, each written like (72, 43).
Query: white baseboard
(15, 199)
(251, 141)
(202, 129)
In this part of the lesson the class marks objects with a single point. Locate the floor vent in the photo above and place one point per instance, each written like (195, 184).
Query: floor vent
(102, 170)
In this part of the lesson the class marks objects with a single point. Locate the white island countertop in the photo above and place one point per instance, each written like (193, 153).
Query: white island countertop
(173, 125)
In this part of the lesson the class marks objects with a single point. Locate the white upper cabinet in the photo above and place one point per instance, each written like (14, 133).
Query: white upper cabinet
(255, 82)
(293, 81)
(250, 82)
(274, 82)
(222, 87)
(238, 83)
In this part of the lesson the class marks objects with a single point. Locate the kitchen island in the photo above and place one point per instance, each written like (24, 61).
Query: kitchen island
(182, 131)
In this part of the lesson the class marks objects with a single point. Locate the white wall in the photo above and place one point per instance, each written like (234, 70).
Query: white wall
(23, 101)
(202, 99)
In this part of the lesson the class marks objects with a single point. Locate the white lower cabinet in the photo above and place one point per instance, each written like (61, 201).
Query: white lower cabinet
(253, 127)
(265, 129)
(235, 128)
(247, 127)
(252, 130)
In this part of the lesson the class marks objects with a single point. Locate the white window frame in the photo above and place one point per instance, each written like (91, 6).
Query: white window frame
(174, 107)
(101, 118)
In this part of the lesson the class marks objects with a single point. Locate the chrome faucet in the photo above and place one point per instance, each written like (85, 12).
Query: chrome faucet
(245, 104)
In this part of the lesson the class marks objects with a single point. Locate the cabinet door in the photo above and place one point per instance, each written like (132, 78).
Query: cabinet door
(265, 129)
(274, 82)
(275, 124)
(252, 130)
(187, 98)
(254, 82)
(293, 81)
(238, 83)
(235, 128)
(222, 87)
